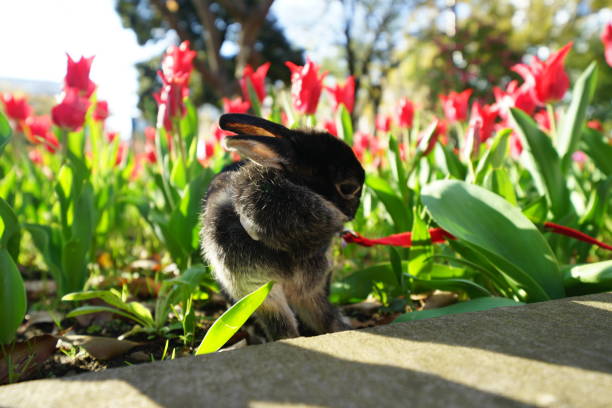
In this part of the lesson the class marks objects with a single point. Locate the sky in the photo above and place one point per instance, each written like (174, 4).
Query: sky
(35, 36)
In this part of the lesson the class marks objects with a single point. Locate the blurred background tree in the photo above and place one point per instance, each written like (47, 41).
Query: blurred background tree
(474, 43)
(228, 35)
(413, 48)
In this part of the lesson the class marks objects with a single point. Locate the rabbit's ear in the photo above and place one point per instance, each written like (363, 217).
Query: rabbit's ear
(263, 150)
(251, 125)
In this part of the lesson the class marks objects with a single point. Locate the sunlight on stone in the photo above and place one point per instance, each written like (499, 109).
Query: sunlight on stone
(595, 304)
(470, 365)
(271, 404)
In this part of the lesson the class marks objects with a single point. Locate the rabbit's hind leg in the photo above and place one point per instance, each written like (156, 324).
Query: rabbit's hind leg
(276, 316)
(316, 312)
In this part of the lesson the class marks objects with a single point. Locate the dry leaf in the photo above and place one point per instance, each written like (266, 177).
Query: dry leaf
(24, 358)
(101, 348)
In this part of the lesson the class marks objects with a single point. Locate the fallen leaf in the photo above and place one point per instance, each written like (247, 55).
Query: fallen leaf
(37, 289)
(439, 299)
(101, 348)
(24, 358)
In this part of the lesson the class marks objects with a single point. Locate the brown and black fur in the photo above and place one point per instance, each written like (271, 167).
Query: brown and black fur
(273, 217)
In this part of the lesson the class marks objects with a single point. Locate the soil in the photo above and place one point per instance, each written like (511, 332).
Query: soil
(68, 360)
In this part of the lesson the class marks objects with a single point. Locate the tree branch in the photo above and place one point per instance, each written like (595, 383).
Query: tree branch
(211, 34)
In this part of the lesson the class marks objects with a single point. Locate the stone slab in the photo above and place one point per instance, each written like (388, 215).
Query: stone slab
(549, 354)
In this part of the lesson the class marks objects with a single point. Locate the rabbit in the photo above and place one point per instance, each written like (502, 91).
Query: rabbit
(273, 217)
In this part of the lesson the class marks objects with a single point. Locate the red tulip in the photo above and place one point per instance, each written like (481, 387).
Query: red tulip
(206, 149)
(595, 124)
(177, 65)
(257, 79)
(101, 112)
(383, 123)
(178, 62)
(606, 39)
(344, 95)
(306, 86)
(70, 113)
(111, 136)
(514, 97)
(455, 105)
(16, 106)
(543, 119)
(441, 130)
(363, 142)
(547, 80)
(121, 152)
(405, 113)
(170, 99)
(331, 128)
(435, 135)
(40, 132)
(220, 133)
(486, 114)
(36, 157)
(138, 165)
(236, 105)
(150, 151)
(77, 75)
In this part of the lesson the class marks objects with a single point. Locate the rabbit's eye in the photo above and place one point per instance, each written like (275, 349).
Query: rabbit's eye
(348, 190)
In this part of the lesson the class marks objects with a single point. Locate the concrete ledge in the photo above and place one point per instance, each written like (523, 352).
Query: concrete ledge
(556, 354)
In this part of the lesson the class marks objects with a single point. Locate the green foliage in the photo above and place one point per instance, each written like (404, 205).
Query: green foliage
(12, 291)
(476, 305)
(231, 321)
(117, 304)
(490, 226)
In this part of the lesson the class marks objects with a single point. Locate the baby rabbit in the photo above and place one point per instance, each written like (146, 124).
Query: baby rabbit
(273, 217)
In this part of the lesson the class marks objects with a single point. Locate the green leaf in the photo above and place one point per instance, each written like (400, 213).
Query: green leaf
(588, 278)
(473, 289)
(422, 249)
(179, 175)
(9, 225)
(42, 236)
(542, 160)
(500, 231)
(396, 265)
(397, 168)
(357, 286)
(597, 206)
(495, 156)
(231, 321)
(344, 125)
(134, 309)
(189, 123)
(537, 210)
(475, 305)
(177, 290)
(83, 310)
(453, 164)
(499, 182)
(394, 204)
(13, 301)
(5, 132)
(594, 145)
(573, 120)
(255, 104)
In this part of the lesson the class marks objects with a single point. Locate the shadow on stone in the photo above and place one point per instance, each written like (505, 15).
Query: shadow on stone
(563, 332)
(554, 353)
(294, 376)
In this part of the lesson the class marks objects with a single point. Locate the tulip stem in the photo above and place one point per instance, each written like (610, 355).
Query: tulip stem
(551, 118)
(162, 169)
(180, 142)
